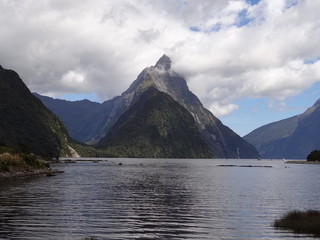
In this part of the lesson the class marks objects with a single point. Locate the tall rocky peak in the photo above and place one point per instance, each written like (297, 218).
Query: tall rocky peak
(164, 63)
(156, 76)
(222, 141)
(162, 77)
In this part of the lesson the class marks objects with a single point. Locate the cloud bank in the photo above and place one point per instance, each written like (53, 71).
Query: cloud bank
(227, 50)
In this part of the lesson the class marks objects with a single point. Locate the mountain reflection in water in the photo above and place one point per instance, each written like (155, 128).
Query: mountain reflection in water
(157, 199)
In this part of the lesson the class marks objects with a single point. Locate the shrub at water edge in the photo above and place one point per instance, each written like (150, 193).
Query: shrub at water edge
(20, 162)
(307, 222)
(314, 156)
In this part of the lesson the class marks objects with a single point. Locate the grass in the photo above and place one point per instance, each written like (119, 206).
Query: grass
(307, 222)
(10, 162)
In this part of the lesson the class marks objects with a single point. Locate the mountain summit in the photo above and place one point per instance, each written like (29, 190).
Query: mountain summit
(164, 63)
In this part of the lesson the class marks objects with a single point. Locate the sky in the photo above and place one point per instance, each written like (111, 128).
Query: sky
(250, 62)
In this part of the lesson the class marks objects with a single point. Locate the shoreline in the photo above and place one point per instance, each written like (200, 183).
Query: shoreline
(302, 162)
(36, 172)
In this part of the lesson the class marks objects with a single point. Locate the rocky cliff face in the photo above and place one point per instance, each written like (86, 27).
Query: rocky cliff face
(291, 138)
(25, 123)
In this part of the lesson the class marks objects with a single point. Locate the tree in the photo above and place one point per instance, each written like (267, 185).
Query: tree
(314, 156)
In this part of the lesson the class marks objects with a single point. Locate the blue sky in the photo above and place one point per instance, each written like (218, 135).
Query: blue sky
(80, 96)
(253, 2)
(254, 113)
(250, 62)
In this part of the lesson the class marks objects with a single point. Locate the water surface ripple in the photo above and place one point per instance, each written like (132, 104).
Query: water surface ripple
(158, 199)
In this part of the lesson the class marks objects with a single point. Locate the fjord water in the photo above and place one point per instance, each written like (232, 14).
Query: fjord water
(158, 199)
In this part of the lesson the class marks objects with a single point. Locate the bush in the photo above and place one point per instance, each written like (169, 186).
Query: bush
(300, 222)
(8, 160)
(30, 159)
(15, 161)
(314, 156)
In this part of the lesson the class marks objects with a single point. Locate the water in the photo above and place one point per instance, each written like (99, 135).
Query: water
(158, 199)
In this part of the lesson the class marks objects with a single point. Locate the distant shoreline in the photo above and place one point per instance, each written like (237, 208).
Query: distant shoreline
(302, 162)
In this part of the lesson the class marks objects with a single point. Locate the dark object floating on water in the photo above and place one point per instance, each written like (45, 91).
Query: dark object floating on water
(244, 166)
(51, 174)
(120, 164)
(300, 222)
(69, 161)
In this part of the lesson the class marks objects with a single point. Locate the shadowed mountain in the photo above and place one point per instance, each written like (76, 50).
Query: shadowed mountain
(291, 138)
(83, 119)
(156, 126)
(25, 123)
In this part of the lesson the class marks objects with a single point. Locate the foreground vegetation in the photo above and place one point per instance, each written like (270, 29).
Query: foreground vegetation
(300, 222)
(14, 160)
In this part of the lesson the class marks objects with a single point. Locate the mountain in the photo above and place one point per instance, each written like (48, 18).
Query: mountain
(25, 123)
(156, 126)
(291, 138)
(223, 142)
(83, 119)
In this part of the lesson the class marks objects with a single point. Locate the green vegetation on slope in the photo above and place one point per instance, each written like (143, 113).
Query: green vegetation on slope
(26, 123)
(156, 126)
(90, 151)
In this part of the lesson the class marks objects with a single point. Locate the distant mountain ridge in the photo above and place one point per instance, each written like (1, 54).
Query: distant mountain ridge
(291, 138)
(83, 119)
(26, 123)
(222, 141)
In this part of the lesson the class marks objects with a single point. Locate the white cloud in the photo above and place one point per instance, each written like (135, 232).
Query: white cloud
(222, 109)
(72, 79)
(101, 46)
